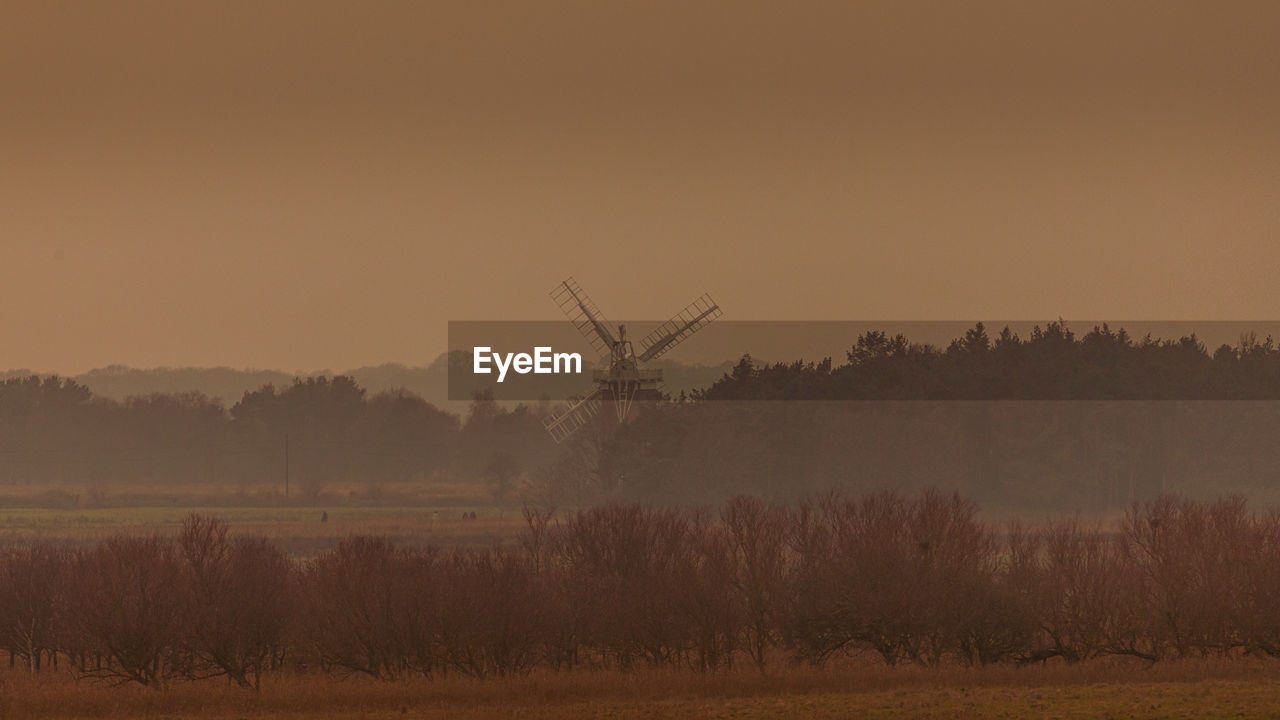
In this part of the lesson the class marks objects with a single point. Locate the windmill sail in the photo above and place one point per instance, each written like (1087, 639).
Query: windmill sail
(585, 316)
(671, 333)
(622, 381)
(580, 413)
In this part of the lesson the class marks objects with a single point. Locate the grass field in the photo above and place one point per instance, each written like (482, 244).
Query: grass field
(298, 530)
(1191, 689)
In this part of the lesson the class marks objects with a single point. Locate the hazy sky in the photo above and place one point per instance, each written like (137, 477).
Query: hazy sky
(316, 184)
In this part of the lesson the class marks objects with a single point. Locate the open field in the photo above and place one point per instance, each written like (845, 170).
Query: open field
(98, 495)
(1198, 689)
(413, 515)
(297, 530)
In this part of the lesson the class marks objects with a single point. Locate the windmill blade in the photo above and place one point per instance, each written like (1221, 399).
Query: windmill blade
(585, 316)
(671, 333)
(578, 414)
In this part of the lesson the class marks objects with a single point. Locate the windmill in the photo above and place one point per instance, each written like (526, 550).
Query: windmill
(624, 378)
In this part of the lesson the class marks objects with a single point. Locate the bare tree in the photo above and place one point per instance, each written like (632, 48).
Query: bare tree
(370, 609)
(31, 578)
(757, 544)
(125, 604)
(240, 594)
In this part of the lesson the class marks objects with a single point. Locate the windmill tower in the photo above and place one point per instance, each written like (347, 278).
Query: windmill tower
(623, 379)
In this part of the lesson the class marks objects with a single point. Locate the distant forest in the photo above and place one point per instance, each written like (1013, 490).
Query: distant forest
(1054, 421)
(327, 429)
(1029, 422)
(1052, 364)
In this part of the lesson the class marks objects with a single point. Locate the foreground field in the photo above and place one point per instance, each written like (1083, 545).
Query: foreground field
(1235, 689)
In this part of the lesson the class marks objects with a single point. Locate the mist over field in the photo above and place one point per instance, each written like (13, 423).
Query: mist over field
(1056, 422)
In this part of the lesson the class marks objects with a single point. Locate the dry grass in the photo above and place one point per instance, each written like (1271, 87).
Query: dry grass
(84, 496)
(298, 531)
(1207, 689)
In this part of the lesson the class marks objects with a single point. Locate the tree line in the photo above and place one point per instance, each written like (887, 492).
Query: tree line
(1053, 363)
(55, 429)
(1053, 421)
(909, 580)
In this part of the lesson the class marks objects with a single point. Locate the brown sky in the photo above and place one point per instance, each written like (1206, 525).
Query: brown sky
(315, 184)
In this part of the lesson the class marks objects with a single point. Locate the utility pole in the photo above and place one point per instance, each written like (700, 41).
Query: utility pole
(286, 466)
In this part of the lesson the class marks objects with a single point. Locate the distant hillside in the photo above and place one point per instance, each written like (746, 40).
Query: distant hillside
(229, 385)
